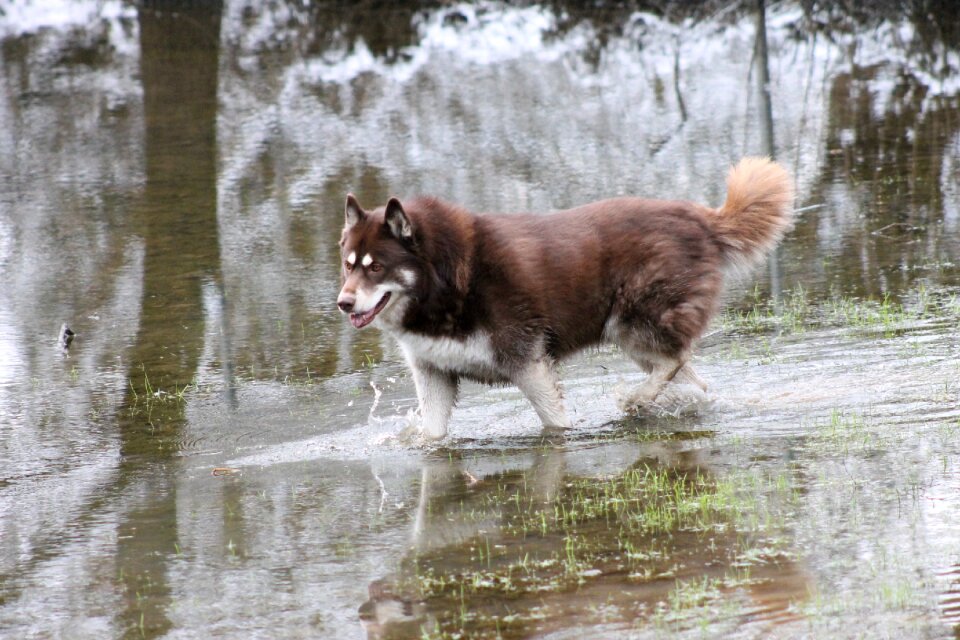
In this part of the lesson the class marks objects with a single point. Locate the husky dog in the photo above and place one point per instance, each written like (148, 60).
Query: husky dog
(501, 298)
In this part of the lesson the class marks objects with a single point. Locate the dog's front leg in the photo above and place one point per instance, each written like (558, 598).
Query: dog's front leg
(437, 393)
(538, 382)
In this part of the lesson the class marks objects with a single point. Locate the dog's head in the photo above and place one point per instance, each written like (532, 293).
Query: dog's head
(378, 266)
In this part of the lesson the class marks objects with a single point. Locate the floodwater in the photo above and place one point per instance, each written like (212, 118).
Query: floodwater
(212, 456)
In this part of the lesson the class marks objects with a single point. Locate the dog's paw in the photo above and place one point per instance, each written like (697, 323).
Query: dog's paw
(635, 400)
(676, 400)
(641, 408)
(410, 434)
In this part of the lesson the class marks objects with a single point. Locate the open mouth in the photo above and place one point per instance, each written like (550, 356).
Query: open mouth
(360, 320)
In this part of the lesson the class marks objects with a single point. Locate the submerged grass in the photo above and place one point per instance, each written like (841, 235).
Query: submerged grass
(671, 539)
(851, 432)
(795, 312)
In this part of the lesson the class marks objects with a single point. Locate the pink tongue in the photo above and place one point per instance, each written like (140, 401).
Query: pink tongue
(360, 320)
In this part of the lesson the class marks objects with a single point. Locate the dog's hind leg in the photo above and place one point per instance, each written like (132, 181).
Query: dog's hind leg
(662, 370)
(437, 393)
(687, 374)
(538, 382)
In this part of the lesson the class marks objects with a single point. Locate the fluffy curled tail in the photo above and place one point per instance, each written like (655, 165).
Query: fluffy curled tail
(757, 212)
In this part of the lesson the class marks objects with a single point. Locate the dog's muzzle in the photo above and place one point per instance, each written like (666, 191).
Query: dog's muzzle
(346, 301)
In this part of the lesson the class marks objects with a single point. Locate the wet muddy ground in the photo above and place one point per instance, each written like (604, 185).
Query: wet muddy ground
(214, 453)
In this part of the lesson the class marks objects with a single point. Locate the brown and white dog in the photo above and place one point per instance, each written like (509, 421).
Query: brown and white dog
(500, 298)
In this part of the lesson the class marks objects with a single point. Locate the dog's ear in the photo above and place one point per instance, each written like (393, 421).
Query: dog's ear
(352, 213)
(397, 221)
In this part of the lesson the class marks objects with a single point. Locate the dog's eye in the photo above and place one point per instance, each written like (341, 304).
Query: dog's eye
(376, 266)
(347, 266)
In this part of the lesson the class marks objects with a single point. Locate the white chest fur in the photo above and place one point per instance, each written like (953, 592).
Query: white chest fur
(472, 354)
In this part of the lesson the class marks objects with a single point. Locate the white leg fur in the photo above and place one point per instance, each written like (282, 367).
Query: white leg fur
(538, 382)
(437, 393)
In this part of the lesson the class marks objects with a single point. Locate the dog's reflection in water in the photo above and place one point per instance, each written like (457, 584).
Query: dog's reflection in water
(388, 615)
(466, 505)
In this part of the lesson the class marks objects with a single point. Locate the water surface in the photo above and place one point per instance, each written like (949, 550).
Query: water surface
(213, 453)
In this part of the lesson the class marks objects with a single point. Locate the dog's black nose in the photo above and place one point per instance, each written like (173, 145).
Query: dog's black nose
(346, 303)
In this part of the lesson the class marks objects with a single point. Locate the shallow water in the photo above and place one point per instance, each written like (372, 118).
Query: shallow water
(215, 453)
